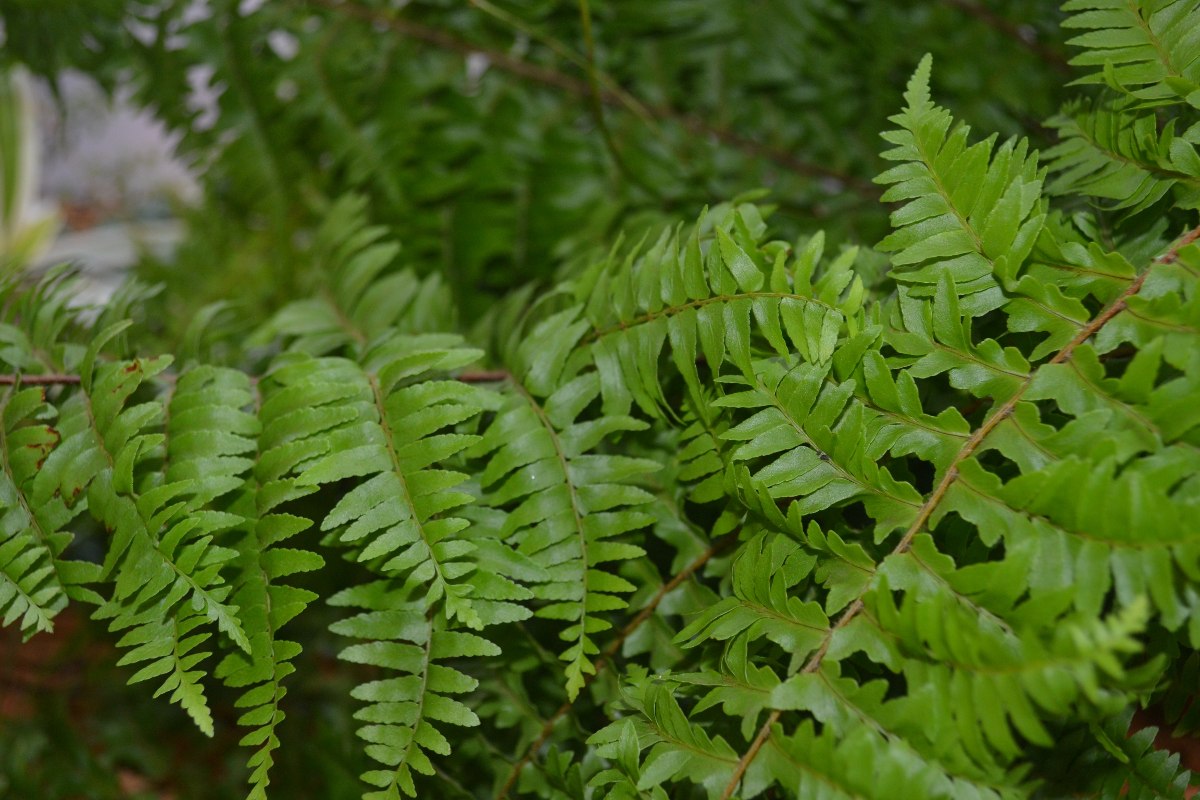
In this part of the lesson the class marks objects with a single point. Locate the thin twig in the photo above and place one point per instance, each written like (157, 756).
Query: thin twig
(1052, 57)
(596, 103)
(553, 78)
(484, 376)
(951, 475)
(587, 64)
(38, 380)
(477, 376)
(718, 546)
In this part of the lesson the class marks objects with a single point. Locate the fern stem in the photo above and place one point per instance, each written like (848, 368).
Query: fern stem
(38, 380)
(586, 63)
(474, 376)
(596, 102)
(670, 311)
(948, 478)
(549, 77)
(717, 547)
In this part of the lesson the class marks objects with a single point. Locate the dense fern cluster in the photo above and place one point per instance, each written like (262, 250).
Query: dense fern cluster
(713, 515)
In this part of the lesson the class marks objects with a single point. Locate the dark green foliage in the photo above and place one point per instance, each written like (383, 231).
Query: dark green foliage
(725, 509)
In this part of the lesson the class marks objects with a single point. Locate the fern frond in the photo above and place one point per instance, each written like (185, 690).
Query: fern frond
(850, 709)
(405, 715)
(1076, 264)
(1146, 48)
(265, 602)
(1114, 153)
(701, 295)
(984, 618)
(35, 583)
(567, 503)
(936, 337)
(678, 747)
(1123, 765)
(363, 296)
(823, 448)
(971, 212)
(763, 605)
(162, 552)
(385, 431)
(400, 516)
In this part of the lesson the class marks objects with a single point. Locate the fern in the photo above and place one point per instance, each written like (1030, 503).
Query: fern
(723, 512)
(1145, 48)
(567, 503)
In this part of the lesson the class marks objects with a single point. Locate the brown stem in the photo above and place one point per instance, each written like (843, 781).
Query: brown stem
(484, 376)
(1052, 57)
(557, 80)
(951, 475)
(476, 376)
(38, 380)
(718, 546)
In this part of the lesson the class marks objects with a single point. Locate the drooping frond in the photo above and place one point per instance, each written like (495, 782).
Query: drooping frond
(161, 558)
(400, 517)
(385, 432)
(272, 434)
(35, 582)
(406, 715)
(567, 500)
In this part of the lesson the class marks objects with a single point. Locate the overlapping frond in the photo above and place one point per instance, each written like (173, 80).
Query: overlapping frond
(1147, 48)
(400, 517)
(1124, 156)
(790, 527)
(268, 434)
(385, 431)
(362, 295)
(35, 581)
(716, 296)
(161, 558)
(570, 505)
(1087, 416)
(405, 716)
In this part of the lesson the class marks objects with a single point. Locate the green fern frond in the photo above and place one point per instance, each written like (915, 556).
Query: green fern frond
(34, 583)
(1146, 48)
(566, 504)
(400, 515)
(936, 337)
(820, 447)
(162, 558)
(763, 605)
(1123, 765)
(265, 602)
(362, 296)
(1114, 153)
(971, 212)
(701, 296)
(405, 715)
(677, 747)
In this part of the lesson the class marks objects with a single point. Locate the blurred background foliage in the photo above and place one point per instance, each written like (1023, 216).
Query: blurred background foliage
(502, 143)
(477, 132)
